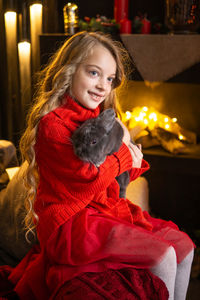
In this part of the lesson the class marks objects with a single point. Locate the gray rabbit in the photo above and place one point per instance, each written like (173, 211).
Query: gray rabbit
(98, 137)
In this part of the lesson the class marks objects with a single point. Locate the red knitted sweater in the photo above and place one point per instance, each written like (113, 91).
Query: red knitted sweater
(84, 228)
(67, 184)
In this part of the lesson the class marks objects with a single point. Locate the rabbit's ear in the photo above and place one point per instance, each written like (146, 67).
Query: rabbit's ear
(107, 119)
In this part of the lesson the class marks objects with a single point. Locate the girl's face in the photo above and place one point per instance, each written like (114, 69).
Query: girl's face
(92, 81)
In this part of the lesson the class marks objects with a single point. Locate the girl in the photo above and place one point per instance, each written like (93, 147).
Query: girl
(92, 244)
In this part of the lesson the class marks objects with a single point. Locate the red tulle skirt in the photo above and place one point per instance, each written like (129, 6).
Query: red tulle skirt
(92, 242)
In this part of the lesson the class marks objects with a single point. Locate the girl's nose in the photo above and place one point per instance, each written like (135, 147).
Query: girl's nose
(101, 84)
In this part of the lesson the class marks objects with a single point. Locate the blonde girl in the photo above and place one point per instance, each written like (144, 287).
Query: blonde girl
(92, 244)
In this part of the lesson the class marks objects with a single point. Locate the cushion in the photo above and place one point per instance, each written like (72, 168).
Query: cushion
(13, 244)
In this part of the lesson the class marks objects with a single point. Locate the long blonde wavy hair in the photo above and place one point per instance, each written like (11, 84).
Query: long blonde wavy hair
(54, 81)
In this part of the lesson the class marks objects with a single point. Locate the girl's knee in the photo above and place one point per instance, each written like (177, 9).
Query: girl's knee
(170, 257)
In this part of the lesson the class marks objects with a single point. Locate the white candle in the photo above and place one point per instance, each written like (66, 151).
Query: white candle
(36, 30)
(24, 51)
(11, 49)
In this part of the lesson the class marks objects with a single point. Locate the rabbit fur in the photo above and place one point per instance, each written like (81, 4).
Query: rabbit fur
(98, 137)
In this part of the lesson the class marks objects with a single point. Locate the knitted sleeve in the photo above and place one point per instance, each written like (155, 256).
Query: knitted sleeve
(63, 170)
(136, 172)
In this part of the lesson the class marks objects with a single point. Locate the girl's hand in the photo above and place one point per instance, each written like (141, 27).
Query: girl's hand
(136, 154)
(135, 150)
(126, 138)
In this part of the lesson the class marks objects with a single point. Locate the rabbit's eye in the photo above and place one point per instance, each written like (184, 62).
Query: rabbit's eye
(93, 142)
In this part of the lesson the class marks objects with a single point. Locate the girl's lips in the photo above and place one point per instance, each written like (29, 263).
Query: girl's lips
(96, 97)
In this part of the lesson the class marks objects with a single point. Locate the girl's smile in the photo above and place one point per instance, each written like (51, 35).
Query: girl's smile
(92, 81)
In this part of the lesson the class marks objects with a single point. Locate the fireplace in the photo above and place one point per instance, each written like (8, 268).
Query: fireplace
(173, 179)
(179, 100)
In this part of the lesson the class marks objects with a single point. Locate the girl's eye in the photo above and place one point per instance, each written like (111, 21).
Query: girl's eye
(93, 73)
(110, 79)
(93, 142)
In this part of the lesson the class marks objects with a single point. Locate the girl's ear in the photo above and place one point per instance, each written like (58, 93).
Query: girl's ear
(107, 119)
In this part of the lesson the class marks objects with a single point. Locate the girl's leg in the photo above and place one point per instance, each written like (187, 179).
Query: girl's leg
(166, 271)
(183, 277)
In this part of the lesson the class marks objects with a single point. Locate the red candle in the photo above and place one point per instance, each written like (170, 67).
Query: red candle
(146, 26)
(125, 26)
(121, 9)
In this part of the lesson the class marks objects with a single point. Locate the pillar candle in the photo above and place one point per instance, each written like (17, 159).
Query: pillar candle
(121, 9)
(12, 67)
(24, 52)
(36, 30)
(146, 26)
(125, 26)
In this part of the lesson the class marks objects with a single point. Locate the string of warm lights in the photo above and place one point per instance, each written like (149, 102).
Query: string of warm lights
(149, 118)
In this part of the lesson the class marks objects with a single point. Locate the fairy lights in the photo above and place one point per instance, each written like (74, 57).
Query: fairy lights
(149, 118)
(128, 115)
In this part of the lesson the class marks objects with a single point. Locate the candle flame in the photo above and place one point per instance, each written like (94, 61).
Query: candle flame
(24, 48)
(36, 8)
(10, 17)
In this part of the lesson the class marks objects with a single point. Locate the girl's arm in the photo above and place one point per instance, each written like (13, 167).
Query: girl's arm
(139, 165)
(63, 170)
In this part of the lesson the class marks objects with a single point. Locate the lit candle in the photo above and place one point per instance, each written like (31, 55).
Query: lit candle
(36, 30)
(24, 51)
(11, 49)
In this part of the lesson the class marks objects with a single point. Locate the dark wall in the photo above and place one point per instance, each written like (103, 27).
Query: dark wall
(3, 81)
(105, 7)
